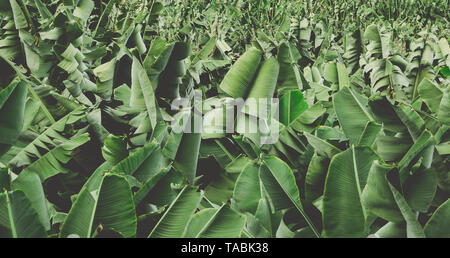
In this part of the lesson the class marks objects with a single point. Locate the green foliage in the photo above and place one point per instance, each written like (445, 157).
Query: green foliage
(95, 142)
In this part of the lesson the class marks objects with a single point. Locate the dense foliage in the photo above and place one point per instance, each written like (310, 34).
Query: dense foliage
(89, 139)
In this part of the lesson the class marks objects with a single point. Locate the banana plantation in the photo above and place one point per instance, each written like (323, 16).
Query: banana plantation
(224, 119)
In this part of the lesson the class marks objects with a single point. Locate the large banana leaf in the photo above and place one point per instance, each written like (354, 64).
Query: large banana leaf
(384, 113)
(279, 183)
(149, 185)
(142, 91)
(18, 216)
(157, 58)
(259, 98)
(12, 107)
(266, 80)
(438, 225)
(31, 185)
(413, 227)
(352, 113)
(83, 10)
(391, 148)
(187, 155)
(419, 148)
(173, 141)
(223, 223)
(411, 119)
(379, 40)
(370, 134)
(214, 123)
(377, 197)
(105, 201)
(444, 108)
(247, 190)
(315, 177)
(177, 216)
(431, 94)
(105, 74)
(419, 189)
(198, 221)
(337, 73)
(292, 104)
(343, 212)
(237, 81)
(352, 50)
(255, 228)
(289, 77)
(115, 207)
